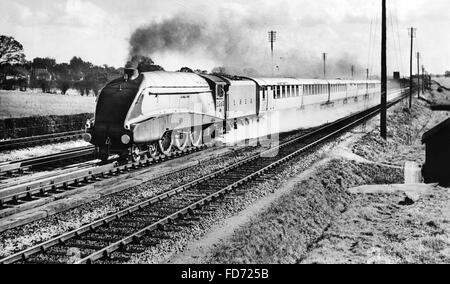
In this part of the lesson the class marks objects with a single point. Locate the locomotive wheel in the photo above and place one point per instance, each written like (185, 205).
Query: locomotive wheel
(135, 154)
(165, 144)
(196, 136)
(152, 151)
(180, 140)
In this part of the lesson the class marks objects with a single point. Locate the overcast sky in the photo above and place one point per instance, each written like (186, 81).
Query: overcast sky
(100, 30)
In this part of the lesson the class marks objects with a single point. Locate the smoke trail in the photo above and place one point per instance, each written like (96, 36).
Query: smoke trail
(232, 42)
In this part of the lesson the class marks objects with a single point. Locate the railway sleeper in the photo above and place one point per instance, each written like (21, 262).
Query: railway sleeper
(56, 251)
(95, 246)
(131, 248)
(137, 220)
(152, 217)
(123, 224)
(99, 237)
(121, 232)
(146, 241)
(157, 235)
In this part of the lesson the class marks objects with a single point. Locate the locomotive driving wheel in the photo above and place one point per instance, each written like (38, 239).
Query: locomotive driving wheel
(135, 154)
(152, 151)
(166, 143)
(181, 139)
(196, 136)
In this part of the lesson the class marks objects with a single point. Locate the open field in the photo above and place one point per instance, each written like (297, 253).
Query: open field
(444, 81)
(14, 104)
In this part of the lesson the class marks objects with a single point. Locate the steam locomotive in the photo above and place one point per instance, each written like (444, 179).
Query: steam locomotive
(156, 112)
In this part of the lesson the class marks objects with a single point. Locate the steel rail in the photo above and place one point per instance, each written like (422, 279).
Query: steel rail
(25, 164)
(42, 248)
(86, 176)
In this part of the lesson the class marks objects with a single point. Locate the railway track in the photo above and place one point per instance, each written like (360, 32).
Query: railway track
(21, 167)
(15, 144)
(133, 229)
(18, 194)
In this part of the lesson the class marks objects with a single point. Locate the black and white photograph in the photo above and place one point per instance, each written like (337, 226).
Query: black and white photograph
(220, 138)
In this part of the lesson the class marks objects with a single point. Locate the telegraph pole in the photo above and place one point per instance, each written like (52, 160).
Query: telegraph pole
(423, 79)
(324, 65)
(383, 126)
(412, 34)
(272, 40)
(418, 74)
(353, 71)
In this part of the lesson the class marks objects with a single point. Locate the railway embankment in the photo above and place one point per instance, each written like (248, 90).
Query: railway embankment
(328, 214)
(13, 128)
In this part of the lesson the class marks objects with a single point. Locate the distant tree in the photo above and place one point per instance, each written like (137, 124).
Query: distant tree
(79, 67)
(80, 86)
(186, 70)
(13, 77)
(62, 71)
(44, 63)
(112, 72)
(11, 51)
(44, 85)
(64, 85)
(96, 79)
(447, 73)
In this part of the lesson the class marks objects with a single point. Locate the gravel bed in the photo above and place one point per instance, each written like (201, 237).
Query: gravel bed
(228, 207)
(28, 235)
(36, 151)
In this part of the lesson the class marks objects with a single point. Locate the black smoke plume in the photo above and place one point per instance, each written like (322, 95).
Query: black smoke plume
(233, 43)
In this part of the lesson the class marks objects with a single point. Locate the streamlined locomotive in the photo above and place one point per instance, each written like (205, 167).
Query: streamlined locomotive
(155, 112)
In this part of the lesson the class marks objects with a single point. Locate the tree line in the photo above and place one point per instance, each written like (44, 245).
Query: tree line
(45, 73)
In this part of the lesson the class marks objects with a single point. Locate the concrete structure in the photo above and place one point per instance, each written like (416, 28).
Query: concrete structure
(437, 165)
